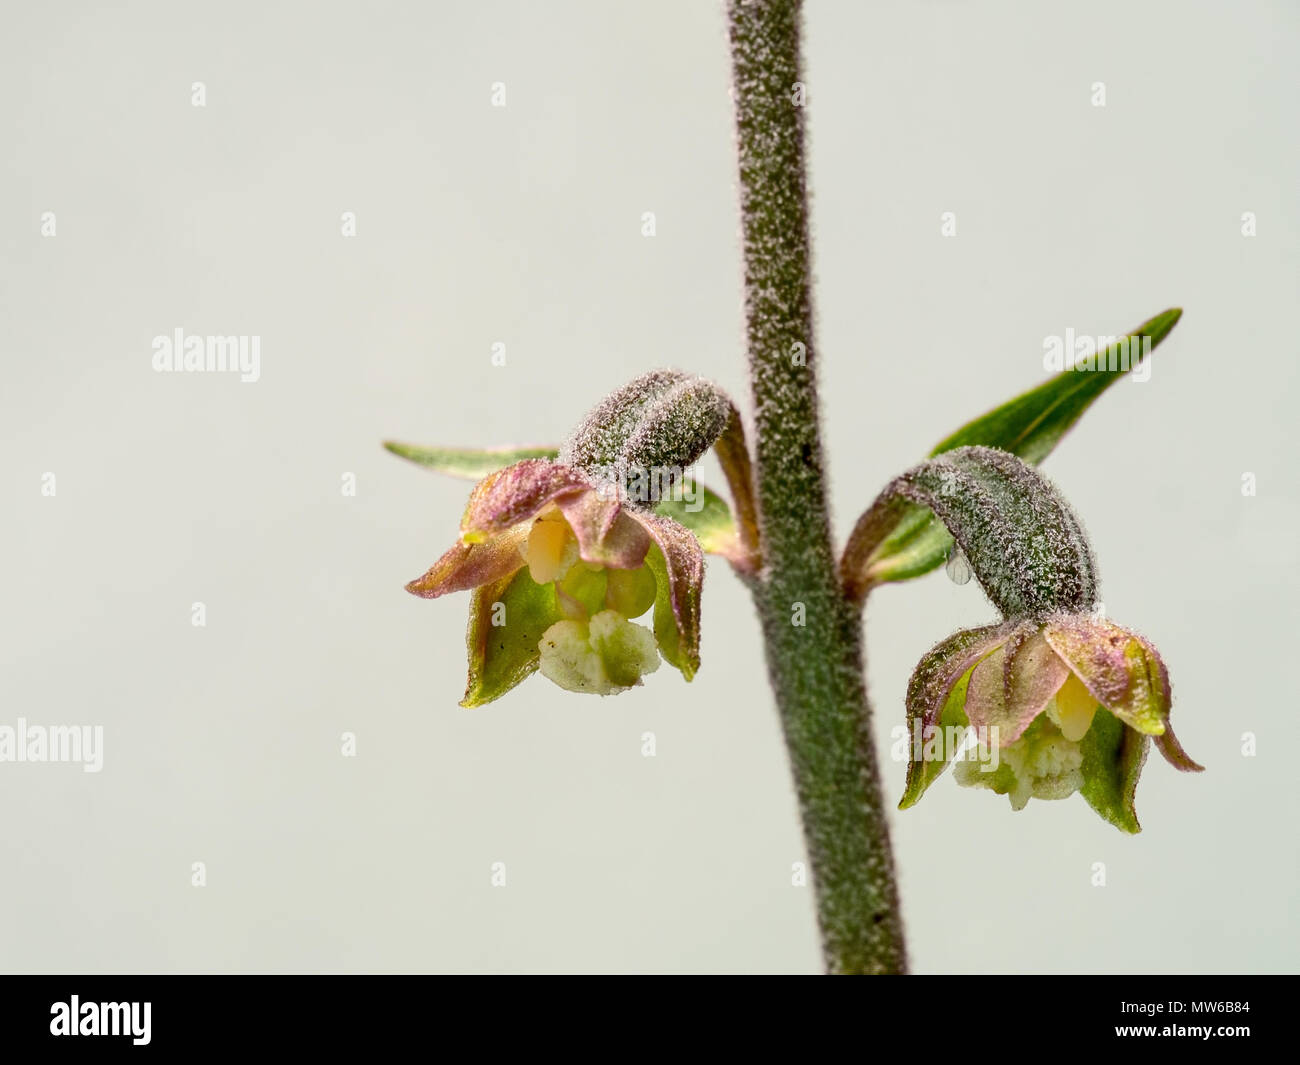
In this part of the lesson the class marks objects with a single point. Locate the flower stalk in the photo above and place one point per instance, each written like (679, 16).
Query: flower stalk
(563, 549)
(816, 667)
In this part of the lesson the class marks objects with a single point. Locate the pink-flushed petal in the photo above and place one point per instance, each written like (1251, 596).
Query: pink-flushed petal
(684, 561)
(1121, 670)
(607, 533)
(944, 665)
(471, 565)
(1013, 685)
(515, 494)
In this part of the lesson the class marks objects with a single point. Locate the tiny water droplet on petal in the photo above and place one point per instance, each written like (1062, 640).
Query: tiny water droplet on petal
(957, 568)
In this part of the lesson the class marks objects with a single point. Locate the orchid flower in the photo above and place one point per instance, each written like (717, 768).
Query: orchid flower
(560, 555)
(1061, 699)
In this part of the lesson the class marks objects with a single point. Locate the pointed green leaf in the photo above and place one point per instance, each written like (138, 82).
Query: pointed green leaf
(467, 462)
(1032, 424)
(1029, 426)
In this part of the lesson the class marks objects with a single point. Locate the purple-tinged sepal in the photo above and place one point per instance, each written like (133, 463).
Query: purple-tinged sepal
(936, 698)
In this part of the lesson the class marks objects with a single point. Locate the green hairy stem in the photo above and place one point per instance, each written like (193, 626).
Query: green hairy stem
(812, 632)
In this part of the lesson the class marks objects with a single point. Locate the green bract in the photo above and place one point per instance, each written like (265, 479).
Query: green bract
(470, 463)
(1030, 426)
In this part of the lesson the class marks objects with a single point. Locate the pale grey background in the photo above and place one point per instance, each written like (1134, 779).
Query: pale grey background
(522, 225)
